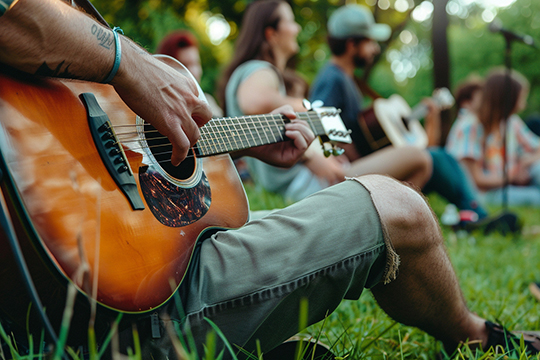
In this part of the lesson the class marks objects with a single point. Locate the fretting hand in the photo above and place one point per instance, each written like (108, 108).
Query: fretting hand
(285, 153)
(166, 99)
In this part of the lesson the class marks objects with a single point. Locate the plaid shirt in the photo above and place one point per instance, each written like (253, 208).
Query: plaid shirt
(466, 140)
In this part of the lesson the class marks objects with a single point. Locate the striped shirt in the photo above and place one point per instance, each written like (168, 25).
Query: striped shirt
(466, 140)
(4, 6)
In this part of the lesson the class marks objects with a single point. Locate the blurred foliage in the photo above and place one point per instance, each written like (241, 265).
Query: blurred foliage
(472, 48)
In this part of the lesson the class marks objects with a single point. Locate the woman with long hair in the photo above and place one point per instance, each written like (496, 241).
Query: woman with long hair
(253, 84)
(478, 139)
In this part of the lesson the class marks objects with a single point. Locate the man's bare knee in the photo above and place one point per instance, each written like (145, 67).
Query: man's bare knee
(406, 217)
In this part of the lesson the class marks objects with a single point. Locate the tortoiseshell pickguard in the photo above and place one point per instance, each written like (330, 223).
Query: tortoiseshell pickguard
(172, 205)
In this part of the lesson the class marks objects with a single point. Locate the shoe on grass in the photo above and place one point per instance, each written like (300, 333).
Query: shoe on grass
(504, 342)
(510, 341)
(504, 223)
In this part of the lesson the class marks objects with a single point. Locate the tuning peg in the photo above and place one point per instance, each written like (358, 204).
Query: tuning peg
(317, 104)
(327, 149)
(307, 104)
(336, 151)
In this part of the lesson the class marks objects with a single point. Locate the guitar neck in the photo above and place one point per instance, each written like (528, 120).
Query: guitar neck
(418, 112)
(230, 134)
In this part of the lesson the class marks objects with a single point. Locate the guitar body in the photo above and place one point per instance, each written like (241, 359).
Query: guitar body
(385, 123)
(76, 226)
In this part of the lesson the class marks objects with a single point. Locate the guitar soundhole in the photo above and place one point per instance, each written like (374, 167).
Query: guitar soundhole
(161, 148)
(405, 123)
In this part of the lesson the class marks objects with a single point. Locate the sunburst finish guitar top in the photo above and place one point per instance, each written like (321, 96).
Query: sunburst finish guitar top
(73, 220)
(86, 224)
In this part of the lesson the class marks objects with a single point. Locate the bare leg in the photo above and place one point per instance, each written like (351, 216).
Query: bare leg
(425, 293)
(406, 164)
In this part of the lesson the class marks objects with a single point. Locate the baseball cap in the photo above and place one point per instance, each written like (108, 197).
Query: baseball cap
(356, 21)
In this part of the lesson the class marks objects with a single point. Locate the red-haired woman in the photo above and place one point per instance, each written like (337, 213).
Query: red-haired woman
(183, 46)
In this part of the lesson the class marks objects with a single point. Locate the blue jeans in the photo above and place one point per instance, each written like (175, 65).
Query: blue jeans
(451, 182)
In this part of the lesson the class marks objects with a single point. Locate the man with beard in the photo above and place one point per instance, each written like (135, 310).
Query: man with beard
(353, 39)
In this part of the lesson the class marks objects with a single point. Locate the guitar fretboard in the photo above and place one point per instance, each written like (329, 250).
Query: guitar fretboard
(237, 133)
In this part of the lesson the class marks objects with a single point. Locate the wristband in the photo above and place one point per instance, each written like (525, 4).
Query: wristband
(5, 5)
(117, 55)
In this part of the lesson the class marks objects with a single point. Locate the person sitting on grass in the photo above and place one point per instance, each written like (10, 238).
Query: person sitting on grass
(477, 136)
(368, 232)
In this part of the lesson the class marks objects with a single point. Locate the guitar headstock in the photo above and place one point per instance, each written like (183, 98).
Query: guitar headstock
(443, 98)
(335, 130)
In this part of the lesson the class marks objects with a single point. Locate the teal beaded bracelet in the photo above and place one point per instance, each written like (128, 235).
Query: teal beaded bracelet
(4, 6)
(117, 55)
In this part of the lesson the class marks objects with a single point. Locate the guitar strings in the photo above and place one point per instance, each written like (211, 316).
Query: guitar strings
(246, 129)
(219, 135)
(221, 129)
(219, 123)
(214, 132)
(220, 146)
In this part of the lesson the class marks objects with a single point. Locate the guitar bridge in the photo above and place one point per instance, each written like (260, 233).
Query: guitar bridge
(110, 151)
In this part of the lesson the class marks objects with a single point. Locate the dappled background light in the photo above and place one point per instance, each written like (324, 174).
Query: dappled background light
(406, 64)
(408, 55)
(217, 29)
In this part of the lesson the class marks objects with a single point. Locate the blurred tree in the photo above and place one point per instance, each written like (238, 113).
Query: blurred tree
(441, 60)
(409, 61)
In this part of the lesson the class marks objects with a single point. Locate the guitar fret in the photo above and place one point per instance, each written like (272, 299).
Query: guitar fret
(317, 127)
(308, 120)
(248, 135)
(279, 129)
(236, 133)
(212, 140)
(214, 143)
(264, 127)
(242, 134)
(220, 137)
(200, 147)
(253, 131)
(233, 135)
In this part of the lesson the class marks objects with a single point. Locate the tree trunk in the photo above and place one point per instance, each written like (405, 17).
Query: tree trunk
(441, 61)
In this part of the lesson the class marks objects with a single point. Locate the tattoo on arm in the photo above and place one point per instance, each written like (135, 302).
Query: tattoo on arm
(45, 70)
(104, 37)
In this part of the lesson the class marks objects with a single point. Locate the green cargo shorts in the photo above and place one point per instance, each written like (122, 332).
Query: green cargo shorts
(249, 282)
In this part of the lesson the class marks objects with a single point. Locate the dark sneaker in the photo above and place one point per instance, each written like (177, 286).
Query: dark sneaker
(503, 342)
(504, 223)
(510, 341)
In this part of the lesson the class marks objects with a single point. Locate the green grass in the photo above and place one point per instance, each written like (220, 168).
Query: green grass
(494, 272)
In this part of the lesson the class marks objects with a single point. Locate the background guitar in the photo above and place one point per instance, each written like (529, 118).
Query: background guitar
(392, 121)
(97, 204)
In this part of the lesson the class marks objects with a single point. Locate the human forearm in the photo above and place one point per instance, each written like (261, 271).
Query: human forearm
(432, 123)
(265, 103)
(528, 159)
(482, 180)
(50, 38)
(260, 94)
(433, 131)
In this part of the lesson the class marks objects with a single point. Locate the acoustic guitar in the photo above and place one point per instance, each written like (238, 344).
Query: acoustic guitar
(96, 202)
(392, 121)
